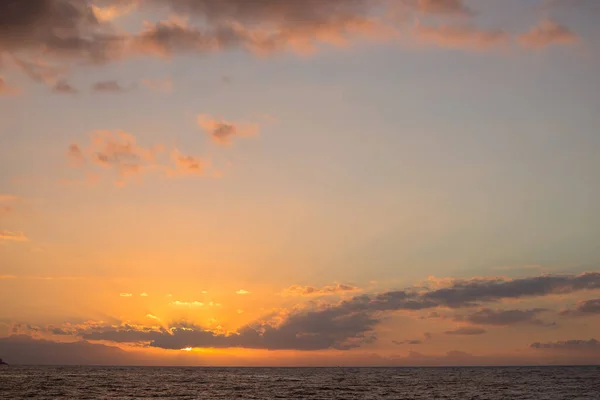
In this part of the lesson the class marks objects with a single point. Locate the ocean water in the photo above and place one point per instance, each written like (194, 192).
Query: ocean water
(17, 382)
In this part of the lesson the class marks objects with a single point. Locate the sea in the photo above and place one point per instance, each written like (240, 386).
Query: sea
(493, 383)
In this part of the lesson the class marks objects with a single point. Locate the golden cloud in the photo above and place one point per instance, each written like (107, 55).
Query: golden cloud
(13, 236)
(119, 151)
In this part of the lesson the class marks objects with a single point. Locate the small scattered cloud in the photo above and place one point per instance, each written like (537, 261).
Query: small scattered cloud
(144, 294)
(7, 277)
(75, 155)
(126, 294)
(187, 165)
(109, 87)
(242, 291)
(547, 33)
(154, 317)
(63, 87)
(13, 236)
(466, 331)
(338, 288)
(410, 342)
(222, 131)
(118, 151)
(187, 303)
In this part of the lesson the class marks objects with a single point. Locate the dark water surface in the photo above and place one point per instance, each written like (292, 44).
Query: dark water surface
(570, 383)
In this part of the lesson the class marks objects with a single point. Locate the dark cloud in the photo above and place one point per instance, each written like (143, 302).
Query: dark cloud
(63, 87)
(572, 345)
(466, 331)
(59, 331)
(488, 316)
(22, 349)
(414, 341)
(463, 293)
(589, 307)
(309, 330)
(52, 27)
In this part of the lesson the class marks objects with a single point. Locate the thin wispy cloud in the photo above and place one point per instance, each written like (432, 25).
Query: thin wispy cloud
(7, 204)
(489, 316)
(13, 236)
(461, 37)
(6, 88)
(187, 303)
(548, 33)
(466, 331)
(338, 288)
(109, 87)
(160, 85)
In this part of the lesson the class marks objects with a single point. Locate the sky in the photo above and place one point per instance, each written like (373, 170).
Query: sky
(341, 182)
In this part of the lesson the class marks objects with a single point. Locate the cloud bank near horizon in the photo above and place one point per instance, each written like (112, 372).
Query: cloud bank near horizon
(352, 323)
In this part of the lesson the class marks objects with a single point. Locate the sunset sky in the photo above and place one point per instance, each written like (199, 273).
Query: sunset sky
(316, 182)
